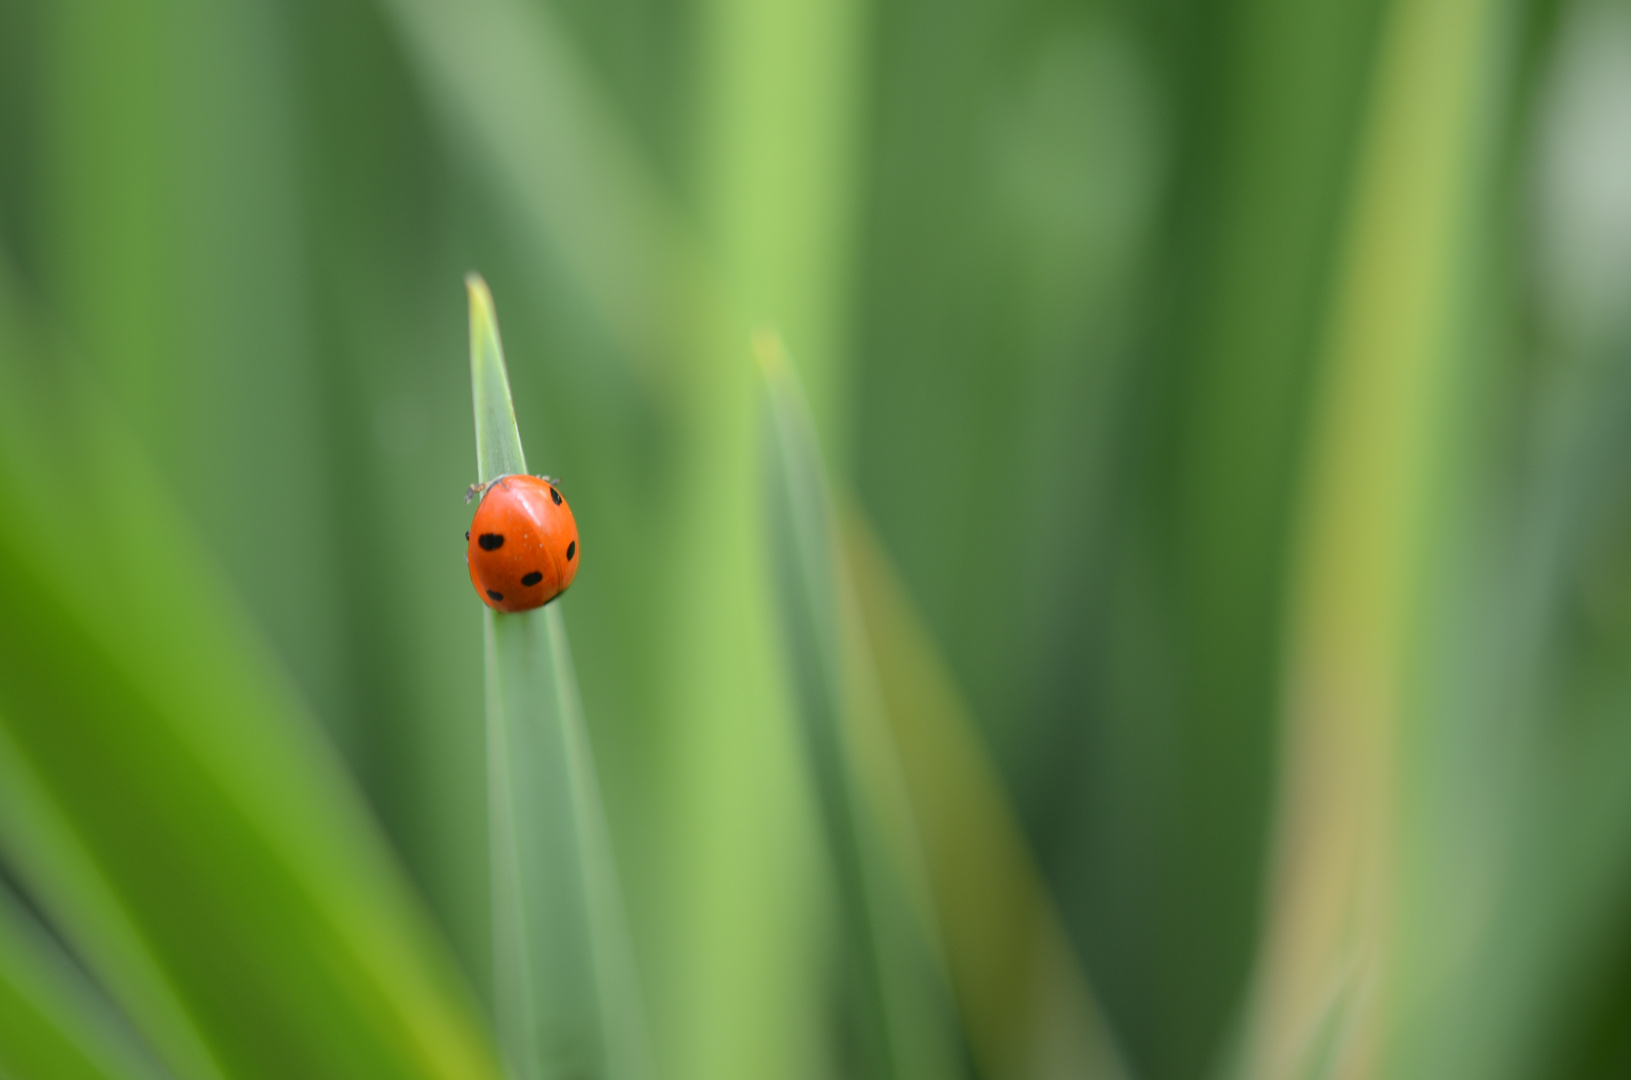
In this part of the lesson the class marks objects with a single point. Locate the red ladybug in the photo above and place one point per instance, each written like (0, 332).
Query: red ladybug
(522, 546)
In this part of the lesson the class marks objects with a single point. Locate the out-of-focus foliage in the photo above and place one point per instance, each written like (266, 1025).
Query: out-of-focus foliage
(1229, 402)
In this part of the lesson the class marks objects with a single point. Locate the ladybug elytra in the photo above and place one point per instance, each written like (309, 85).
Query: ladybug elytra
(522, 547)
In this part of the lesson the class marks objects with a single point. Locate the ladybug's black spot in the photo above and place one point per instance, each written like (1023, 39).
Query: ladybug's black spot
(490, 541)
(497, 596)
(553, 494)
(533, 578)
(571, 550)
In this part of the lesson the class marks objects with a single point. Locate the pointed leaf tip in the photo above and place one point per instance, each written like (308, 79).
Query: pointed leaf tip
(498, 443)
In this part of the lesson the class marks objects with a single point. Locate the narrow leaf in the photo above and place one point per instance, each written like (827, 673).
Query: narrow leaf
(903, 1004)
(897, 758)
(566, 1001)
(86, 907)
(1026, 1003)
(498, 443)
(54, 1024)
(526, 106)
(1388, 447)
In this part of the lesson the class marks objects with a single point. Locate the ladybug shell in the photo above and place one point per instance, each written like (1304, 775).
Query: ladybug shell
(523, 544)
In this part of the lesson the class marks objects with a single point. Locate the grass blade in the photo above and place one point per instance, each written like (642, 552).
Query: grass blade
(876, 819)
(1391, 434)
(803, 554)
(897, 763)
(498, 443)
(54, 1025)
(37, 839)
(527, 107)
(1026, 1003)
(565, 993)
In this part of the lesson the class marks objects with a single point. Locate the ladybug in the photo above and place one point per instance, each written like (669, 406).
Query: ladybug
(522, 547)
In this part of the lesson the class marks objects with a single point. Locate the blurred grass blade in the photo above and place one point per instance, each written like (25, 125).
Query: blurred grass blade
(54, 1025)
(905, 1032)
(524, 102)
(566, 1000)
(616, 981)
(1027, 1005)
(217, 826)
(897, 757)
(64, 877)
(1390, 432)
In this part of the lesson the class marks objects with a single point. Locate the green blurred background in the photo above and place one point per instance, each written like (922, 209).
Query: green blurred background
(1238, 391)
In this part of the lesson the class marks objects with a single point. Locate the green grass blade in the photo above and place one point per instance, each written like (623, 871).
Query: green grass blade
(904, 1006)
(523, 103)
(1026, 1003)
(54, 1025)
(566, 1001)
(897, 760)
(498, 443)
(39, 840)
(1388, 481)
